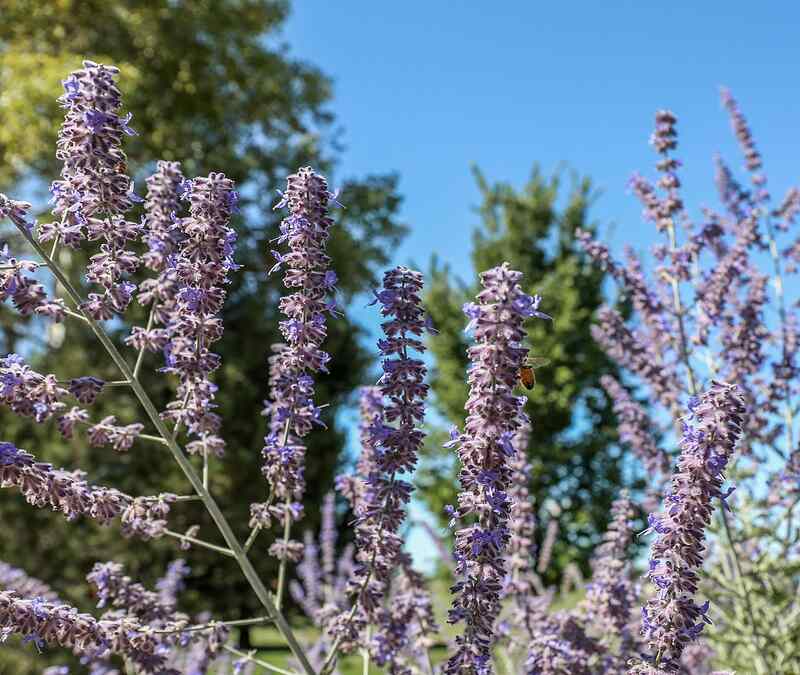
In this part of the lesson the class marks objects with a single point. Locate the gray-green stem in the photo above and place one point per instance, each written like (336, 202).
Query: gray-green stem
(287, 531)
(140, 355)
(207, 626)
(365, 653)
(199, 542)
(259, 662)
(205, 466)
(251, 538)
(761, 661)
(678, 306)
(213, 509)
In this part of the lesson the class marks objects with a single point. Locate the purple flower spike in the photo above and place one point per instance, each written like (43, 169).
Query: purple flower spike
(42, 485)
(114, 588)
(201, 264)
(522, 583)
(51, 622)
(28, 393)
(493, 412)
(672, 619)
(95, 192)
(392, 438)
(352, 486)
(641, 356)
(172, 583)
(634, 284)
(610, 595)
(93, 178)
(161, 227)
(163, 237)
(291, 409)
(741, 129)
(15, 211)
(25, 292)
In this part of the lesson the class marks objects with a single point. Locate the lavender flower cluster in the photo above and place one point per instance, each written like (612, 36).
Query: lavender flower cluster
(31, 394)
(484, 449)
(713, 302)
(291, 409)
(26, 293)
(201, 263)
(144, 627)
(611, 596)
(692, 326)
(42, 485)
(673, 618)
(162, 235)
(394, 412)
(95, 191)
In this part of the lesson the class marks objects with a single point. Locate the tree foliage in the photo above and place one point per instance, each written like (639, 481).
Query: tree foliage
(576, 468)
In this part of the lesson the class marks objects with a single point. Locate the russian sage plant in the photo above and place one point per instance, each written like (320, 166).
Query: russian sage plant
(713, 350)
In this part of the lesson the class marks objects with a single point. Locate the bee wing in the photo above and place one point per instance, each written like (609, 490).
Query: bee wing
(537, 361)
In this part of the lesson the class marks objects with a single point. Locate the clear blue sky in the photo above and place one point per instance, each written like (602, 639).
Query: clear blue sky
(428, 88)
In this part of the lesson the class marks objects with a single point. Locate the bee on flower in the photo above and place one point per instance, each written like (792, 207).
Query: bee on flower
(527, 372)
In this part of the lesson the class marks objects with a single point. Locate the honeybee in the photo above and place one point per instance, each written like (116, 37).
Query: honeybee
(527, 374)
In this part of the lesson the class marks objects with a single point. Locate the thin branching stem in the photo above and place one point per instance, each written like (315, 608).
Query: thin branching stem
(251, 539)
(57, 238)
(140, 357)
(365, 653)
(75, 315)
(155, 439)
(117, 383)
(250, 656)
(761, 661)
(679, 313)
(287, 530)
(208, 626)
(200, 542)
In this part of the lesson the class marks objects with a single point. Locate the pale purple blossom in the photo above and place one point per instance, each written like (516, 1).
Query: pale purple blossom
(610, 596)
(673, 618)
(94, 193)
(636, 428)
(394, 439)
(54, 623)
(291, 409)
(201, 263)
(496, 320)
